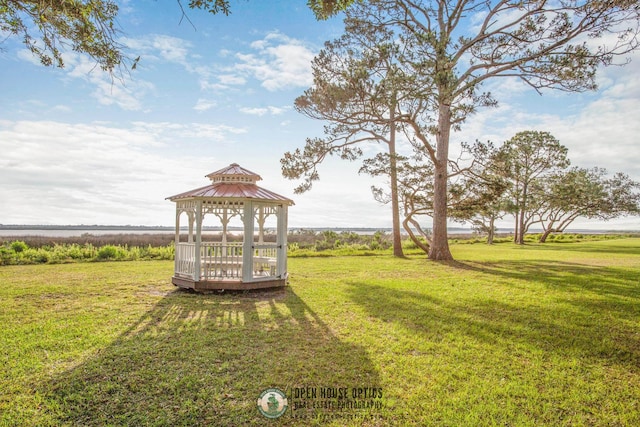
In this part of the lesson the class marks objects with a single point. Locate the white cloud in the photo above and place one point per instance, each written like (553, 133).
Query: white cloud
(168, 131)
(204, 105)
(261, 111)
(276, 61)
(27, 55)
(62, 108)
(129, 92)
(60, 173)
(276, 111)
(254, 111)
(107, 89)
(230, 79)
(157, 46)
(279, 63)
(599, 129)
(171, 49)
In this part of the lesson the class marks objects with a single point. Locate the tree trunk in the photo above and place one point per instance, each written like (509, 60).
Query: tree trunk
(523, 208)
(546, 233)
(414, 238)
(491, 232)
(520, 240)
(395, 204)
(516, 232)
(439, 249)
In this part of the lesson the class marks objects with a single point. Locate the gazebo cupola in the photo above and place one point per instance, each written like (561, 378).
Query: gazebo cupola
(210, 263)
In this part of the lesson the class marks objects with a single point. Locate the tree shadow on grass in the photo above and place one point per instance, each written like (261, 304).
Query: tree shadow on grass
(618, 286)
(620, 247)
(593, 312)
(204, 360)
(508, 363)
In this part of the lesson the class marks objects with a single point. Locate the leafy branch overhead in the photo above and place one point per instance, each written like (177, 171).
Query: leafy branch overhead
(49, 28)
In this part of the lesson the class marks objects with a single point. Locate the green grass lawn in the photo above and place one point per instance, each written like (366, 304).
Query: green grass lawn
(535, 335)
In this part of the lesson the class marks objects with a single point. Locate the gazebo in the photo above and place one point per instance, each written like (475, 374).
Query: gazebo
(258, 261)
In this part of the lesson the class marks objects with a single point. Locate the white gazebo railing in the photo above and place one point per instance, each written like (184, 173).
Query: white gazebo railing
(220, 261)
(225, 260)
(185, 259)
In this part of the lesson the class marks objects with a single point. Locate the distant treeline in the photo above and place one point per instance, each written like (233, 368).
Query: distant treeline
(303, 238)
(97, 240)
(82, 227)
(301, 243)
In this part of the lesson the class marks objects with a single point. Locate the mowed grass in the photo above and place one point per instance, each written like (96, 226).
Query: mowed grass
(535, 335)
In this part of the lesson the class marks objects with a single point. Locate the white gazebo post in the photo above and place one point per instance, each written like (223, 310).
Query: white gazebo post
(261, 219)
(177, 239)
(191, 220)
(198, 253)
(247, 243)
(281, 267)
(211, 265)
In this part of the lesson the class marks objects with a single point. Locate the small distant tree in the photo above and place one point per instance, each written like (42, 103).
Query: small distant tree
(528, 158)
(415, 191)
(586, 193)
(484, 189)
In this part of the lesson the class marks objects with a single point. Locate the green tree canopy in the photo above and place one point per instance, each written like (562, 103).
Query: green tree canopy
(530, 157)
(48, 28)
(586, 193)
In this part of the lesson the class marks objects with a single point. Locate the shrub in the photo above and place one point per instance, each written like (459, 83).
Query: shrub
(161, 252)
(323, 245)
(35, 256)
(108, 252)
(292, 247)
(19, 246)
(6, 255)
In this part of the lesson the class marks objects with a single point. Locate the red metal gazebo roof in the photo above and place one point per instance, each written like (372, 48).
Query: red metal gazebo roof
(232, 182)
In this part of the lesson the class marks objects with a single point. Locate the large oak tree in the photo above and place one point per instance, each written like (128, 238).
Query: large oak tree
(465, 43)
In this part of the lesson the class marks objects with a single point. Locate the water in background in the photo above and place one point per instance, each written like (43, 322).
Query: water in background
(73, 232)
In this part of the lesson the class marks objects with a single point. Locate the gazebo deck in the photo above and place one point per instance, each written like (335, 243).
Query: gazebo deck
(233, 285)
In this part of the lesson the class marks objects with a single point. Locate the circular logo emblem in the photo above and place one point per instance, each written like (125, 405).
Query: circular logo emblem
(272, 403)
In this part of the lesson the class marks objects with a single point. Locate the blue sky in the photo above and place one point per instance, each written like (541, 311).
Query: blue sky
(79, 148)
